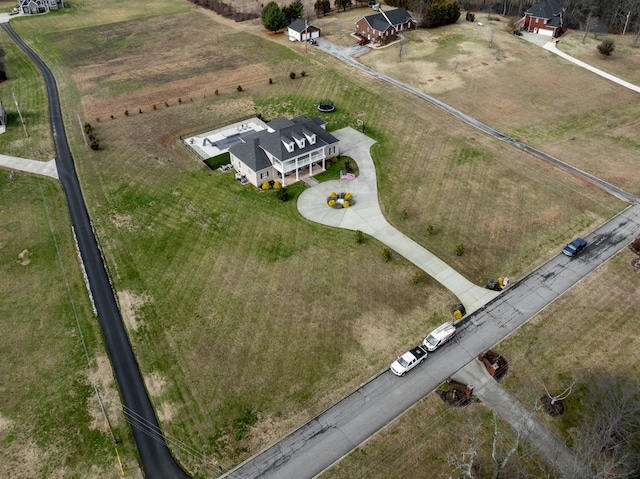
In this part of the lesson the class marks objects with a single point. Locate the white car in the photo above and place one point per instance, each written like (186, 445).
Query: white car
(439, 336)
(408, 361)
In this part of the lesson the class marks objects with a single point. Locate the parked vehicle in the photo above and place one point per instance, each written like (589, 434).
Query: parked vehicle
(408, 361)
(575, 247)
(517, 32)
(439, 336)
(312, 41)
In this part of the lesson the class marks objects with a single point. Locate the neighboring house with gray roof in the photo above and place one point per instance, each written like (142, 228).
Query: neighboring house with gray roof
(32, 7)
(544, 18)
(383, 27)
(284, 151)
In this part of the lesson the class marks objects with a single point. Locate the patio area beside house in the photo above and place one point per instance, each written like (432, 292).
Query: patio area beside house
(215, 142)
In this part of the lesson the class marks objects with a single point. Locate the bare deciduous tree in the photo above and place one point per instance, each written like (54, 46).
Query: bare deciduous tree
(499, 453)
(563, 395)
(401, 49)
(610, 429)
(465, 463)
(590, 24)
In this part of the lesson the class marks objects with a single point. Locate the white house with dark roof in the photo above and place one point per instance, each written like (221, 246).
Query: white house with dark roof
(32, 7)
(544, 18)
(286, 150)
(302, 30)
(383, 27)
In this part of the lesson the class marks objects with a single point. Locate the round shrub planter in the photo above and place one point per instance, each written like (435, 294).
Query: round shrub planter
(343, 200)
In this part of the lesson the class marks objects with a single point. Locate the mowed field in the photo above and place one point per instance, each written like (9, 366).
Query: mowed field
(246, 319)
(51, 423)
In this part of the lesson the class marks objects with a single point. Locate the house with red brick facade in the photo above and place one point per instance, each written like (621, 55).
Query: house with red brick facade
(544, 18)
(383, 27)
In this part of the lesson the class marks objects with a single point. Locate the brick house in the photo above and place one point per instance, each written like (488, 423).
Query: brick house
(383, 27)
(544, 18)
(284, 151)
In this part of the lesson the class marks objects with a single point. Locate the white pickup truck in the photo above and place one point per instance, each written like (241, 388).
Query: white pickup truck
(408, 361)
(439, 336)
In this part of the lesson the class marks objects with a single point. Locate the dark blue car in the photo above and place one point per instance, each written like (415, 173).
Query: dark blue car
(575, 247)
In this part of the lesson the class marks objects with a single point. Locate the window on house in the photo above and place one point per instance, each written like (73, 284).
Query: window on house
(264, 174)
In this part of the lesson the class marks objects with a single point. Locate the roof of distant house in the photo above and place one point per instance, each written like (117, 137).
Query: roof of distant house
(299, 25)
(381, 21)
(547, 9)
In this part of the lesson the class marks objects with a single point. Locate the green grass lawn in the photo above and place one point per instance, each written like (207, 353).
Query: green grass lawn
(245, 318)
(51, 424)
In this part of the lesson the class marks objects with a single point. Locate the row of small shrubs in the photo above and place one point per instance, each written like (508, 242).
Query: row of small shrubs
(281, 192)
(292, 75)
(271, 185)
(94, 143)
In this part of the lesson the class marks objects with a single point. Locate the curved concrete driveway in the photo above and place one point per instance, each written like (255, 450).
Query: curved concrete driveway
(553, 48)
(365, 215)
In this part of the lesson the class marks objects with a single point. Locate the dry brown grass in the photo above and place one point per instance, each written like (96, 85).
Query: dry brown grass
(527, 93)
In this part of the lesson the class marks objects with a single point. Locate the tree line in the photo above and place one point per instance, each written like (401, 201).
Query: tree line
(612, 15)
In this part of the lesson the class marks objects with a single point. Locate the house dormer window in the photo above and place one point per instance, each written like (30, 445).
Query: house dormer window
(300, 142)
(288, 144)
(311, 138)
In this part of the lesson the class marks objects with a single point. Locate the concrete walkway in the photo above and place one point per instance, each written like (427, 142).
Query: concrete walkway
(553, 48)
(365, 215)
(44, 168)
(508, 408)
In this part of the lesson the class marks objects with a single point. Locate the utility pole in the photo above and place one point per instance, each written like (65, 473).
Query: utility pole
(626, 23)
(15, 100)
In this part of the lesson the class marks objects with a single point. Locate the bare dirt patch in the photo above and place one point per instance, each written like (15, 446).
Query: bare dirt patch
(5, 423)
(23, 257)
(155, 383)
(166, 411)
(103, 377)
(129, 305)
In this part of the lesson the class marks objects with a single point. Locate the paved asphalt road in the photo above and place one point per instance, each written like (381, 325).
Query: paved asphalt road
(156, 459)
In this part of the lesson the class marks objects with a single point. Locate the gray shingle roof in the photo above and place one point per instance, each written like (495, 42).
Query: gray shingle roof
(549, 9)
(397, 17)
(299, 26)
(251, 150)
